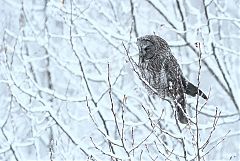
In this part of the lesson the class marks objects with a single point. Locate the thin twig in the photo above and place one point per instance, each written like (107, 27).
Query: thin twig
(114, 114)
(196, 113)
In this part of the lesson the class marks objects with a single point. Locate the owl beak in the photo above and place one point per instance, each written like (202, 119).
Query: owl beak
(141, 51)
(141, 58)
(141, 54)
(139, 47)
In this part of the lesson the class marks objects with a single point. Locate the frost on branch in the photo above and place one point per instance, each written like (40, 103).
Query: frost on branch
(70, 89)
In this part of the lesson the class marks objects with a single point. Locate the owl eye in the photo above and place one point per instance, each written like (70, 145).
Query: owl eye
(148, 48)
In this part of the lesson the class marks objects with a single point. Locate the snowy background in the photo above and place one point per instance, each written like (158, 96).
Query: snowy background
(69, 92)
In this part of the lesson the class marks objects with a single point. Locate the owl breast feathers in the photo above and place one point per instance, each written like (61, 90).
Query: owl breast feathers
(161, 70)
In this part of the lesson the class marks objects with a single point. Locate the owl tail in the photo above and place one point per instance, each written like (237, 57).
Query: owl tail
(181, 110)
(192, 90)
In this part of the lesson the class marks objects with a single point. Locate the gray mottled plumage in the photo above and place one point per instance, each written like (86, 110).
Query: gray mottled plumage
(161, 70)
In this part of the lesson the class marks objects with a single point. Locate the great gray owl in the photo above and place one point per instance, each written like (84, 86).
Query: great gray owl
(161, 70)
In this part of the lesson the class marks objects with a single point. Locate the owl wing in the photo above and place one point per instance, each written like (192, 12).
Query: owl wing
(173, 76)
(175, 87)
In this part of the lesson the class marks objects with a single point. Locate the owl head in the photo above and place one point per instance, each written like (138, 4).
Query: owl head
(150, 46)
